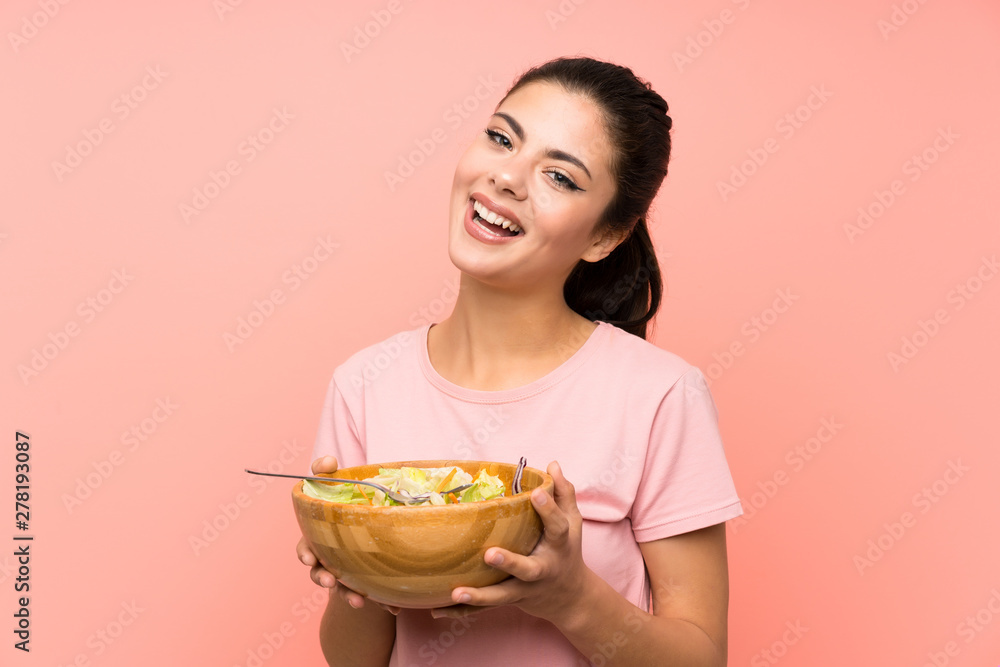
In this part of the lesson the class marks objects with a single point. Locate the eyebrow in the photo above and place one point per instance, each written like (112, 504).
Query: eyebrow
(552, 152)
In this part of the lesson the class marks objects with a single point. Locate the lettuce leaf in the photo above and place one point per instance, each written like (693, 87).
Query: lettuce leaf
(485, 487)
(335, 493)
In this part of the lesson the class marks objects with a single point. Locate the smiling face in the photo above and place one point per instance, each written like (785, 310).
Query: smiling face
(543, 164)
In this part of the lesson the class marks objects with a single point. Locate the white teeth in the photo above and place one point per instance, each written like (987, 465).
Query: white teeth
(492, 218)
(488, 215)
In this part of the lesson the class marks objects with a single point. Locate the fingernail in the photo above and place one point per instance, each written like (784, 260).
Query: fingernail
(541, 497)
(496, 558)
(465, 597)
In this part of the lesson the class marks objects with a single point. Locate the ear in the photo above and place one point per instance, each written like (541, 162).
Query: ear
(605, 245)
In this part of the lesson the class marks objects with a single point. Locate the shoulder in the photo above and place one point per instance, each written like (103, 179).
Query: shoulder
(643, 361)
(373, 361)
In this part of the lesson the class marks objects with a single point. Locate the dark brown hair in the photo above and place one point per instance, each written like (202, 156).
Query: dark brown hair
(626, 284)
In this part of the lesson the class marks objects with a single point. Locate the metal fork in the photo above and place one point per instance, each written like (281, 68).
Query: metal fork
(398, 497)
(516, 486)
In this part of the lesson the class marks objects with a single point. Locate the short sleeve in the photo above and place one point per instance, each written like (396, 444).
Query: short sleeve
(338, 433)
(686, 482)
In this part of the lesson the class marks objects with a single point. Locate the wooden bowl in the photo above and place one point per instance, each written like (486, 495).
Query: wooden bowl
(414, 556)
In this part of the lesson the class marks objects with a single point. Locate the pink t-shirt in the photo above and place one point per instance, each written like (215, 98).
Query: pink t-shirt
(632, 425)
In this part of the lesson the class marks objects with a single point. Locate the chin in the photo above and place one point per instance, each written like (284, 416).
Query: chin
(461, 261)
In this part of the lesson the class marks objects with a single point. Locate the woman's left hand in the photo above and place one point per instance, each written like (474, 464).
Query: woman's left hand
(547, 582)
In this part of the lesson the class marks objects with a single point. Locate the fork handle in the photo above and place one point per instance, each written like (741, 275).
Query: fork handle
(317, 479)
(381, 488)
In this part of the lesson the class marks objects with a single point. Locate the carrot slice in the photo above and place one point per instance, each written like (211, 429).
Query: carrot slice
(362, 492)
(453, 498)
(444, 482)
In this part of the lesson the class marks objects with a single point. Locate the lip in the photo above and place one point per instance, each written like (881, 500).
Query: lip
(476, 231)
(497, 208)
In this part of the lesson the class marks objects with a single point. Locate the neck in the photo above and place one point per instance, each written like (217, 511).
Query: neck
(491, 331)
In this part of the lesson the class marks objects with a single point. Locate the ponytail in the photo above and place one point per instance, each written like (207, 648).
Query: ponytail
(623, 289)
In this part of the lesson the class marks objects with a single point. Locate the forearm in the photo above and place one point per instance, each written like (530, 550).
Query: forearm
(605, 624)
(353, 637)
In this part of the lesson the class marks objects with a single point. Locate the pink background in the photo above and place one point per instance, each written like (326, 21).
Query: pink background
(831, 440)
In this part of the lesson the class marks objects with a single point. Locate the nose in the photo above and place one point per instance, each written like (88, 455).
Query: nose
(507, 176)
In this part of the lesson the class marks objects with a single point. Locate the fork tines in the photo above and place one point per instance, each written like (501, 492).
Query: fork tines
(516, 486)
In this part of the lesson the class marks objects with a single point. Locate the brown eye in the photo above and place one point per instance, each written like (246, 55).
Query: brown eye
(563, 181)
(499, 138)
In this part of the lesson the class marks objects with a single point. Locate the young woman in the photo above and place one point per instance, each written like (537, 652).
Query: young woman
(544, 355)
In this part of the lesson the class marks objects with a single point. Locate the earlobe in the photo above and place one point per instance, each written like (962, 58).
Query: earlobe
(601, 249)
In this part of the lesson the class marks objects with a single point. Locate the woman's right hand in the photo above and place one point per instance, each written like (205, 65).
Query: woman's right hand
(319, 574)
